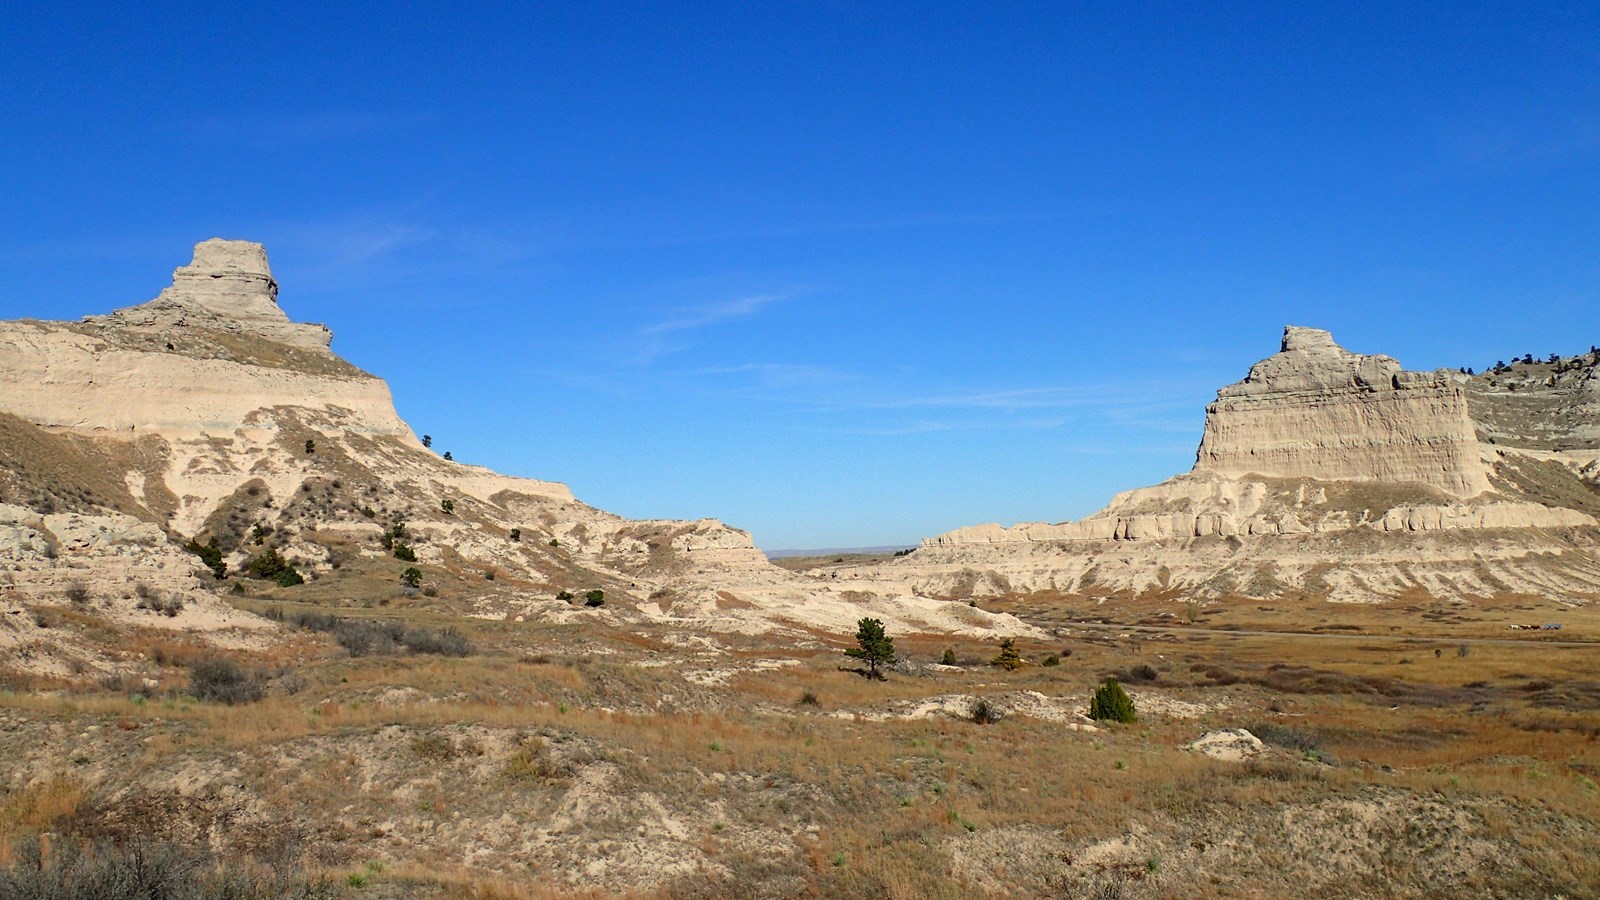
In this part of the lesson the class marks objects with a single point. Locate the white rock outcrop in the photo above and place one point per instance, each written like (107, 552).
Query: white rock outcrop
(222, 418)
(1335, 474)
(1228, 745)
(228, 286)
(1316, 410)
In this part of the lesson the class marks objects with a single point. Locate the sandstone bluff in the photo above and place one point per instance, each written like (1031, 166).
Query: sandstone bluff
(1337, 475)
(208, 414)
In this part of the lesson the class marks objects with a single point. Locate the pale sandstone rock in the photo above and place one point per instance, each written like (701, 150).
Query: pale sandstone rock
(1313, 452)
(1229, 745)
(221, 390)
(1315, 410)
(227, 286)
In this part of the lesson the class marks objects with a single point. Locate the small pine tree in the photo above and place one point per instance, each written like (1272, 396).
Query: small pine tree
(211, 555)
(1010, 658)
(311, 445)
(516, 535)
(448, 457)
(448, 507)
(411, 577)
(427, 440)
(949, 657)
(1112, 704)
(595, 597)
(875, 647)
(404, 553)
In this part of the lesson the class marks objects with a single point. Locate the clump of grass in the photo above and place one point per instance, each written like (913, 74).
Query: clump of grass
(435, 747)
(1307, 744)
(1142, 673)
(809, 698)
(363, 638)
(222, 681)
(532, 762)
(104, 869)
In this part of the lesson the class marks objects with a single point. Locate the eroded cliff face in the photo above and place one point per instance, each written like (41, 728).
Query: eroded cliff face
(1316, 410)
(210, 351)
(207, 413)
(1322, 460)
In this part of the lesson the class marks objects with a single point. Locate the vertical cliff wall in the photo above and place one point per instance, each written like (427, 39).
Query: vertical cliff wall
(1316, 410)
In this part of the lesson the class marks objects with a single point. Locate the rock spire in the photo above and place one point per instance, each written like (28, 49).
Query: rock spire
(228, 287)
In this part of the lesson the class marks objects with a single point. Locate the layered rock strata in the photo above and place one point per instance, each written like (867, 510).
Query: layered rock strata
(228, 286)
(1316, 410)
(1337, 474)
(207, 413)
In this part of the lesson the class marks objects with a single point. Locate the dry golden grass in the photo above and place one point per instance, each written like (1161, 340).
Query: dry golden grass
(36, 808)
(891, 797)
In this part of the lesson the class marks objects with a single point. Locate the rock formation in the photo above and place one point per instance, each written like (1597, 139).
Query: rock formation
(228, 287)
(1316, 410)
(207, 414)
(1330, 473)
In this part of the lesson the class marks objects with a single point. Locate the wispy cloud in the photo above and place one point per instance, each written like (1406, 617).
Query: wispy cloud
(712, 314)
(672, 334)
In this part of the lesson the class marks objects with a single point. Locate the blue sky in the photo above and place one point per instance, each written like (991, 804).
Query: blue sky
(842, 274)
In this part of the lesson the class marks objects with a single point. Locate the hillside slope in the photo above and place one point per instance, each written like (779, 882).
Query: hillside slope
(206, 415)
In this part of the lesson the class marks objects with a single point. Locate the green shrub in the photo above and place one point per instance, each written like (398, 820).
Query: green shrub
(595, 597)
(1010, 658)
(448, 507)
(1112, 704)
(404, 553)
(210, 554)
(268, 565)
(564, 596)
(516, 535)
(411, 577)
(949, 657)
(1051, 661)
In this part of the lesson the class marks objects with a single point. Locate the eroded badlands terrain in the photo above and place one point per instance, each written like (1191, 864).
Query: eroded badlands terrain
(418, 678)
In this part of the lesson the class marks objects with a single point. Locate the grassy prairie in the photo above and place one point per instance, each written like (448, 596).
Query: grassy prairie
(1410, 751)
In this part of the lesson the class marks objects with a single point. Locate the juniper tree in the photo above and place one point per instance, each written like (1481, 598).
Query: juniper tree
(876, 648)
(1009, 659)
(1112, 704)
